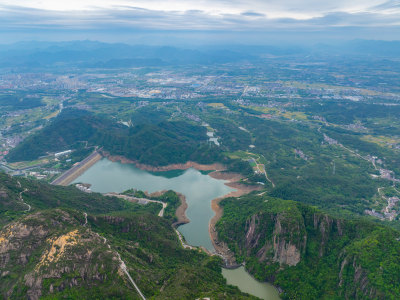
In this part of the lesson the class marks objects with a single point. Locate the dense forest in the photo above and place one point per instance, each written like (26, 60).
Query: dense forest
(50, 251)
(157, 145)
(19, 101)
(310, 254)
(328, 176)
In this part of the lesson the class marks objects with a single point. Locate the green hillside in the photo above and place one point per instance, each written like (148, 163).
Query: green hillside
(161, 144)
(310, 254)
(51, 252)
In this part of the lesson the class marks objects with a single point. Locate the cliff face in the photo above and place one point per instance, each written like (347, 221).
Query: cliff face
(87, 248)
(310, 254)
(274, 240)
(45, 253)
(360, 280)
(283, 239)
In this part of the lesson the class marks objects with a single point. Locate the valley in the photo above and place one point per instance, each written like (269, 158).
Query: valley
(260, 176)
(199, 191)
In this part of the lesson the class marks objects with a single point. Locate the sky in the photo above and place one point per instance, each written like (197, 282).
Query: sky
(239, 21)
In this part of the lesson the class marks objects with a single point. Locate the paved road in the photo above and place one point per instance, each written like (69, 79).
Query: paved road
(85, 215)
(6, 168)
(22, 199)
(140, 200)
(262, 171)
(184, 245)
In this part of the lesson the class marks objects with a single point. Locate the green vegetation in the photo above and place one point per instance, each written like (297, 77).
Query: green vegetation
(51, 252)
(301, 164)
(310, 254)
(354, 140)
(325, 130)
(170, 197)
(43, 196)
(19, 101)
(157, 260)
(161, 144)
(328, 176)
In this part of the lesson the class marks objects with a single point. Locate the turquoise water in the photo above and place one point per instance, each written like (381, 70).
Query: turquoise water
(199, 189)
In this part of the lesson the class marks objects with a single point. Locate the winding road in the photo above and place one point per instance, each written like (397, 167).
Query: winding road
(184, 245)
(22, 199)
(140, 200)
(85, 214)
(262, 171)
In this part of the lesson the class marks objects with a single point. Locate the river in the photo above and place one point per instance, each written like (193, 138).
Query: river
(199, 189)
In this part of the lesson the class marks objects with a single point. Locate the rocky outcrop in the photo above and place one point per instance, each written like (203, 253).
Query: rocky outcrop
(41, 249)
(323, 225)
(360, 287)
(279, 238)
(274, 240)
(309, 253)
(286, 249)
(285, 253)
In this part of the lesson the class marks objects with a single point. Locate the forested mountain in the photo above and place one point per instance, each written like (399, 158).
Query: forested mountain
(157, 145)
(310, 254)
(314, 129)
(48, 248)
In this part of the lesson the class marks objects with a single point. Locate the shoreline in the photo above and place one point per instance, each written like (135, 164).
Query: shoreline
(180, 166)
(232, 179)
(180, 212)
(222, 248)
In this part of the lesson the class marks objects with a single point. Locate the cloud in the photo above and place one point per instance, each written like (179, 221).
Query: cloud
(252, 14)
(392, 5)
(203, 15)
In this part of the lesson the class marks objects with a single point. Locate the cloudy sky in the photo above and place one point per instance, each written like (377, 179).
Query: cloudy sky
(248, 20)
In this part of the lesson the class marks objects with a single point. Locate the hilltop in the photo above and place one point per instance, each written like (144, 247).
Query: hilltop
(73, 244)
(157, 145)
(310, 254)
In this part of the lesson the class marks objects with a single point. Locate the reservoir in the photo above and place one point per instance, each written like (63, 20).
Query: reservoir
(199, 189)
(246, 283)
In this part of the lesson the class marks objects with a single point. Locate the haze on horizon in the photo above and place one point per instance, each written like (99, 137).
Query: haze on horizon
(202, 21)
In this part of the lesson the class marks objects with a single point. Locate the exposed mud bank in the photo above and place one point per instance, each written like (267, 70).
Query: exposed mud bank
(233, 179)
(241, 189)
(185, 166)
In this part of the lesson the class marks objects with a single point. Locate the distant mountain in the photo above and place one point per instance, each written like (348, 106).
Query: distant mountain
(93, 54)
(361, 48)
(90, 54)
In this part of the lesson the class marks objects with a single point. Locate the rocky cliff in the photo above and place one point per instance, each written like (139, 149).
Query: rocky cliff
(58, 242)
(48, 252)
(279, 244)
(310, 254)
